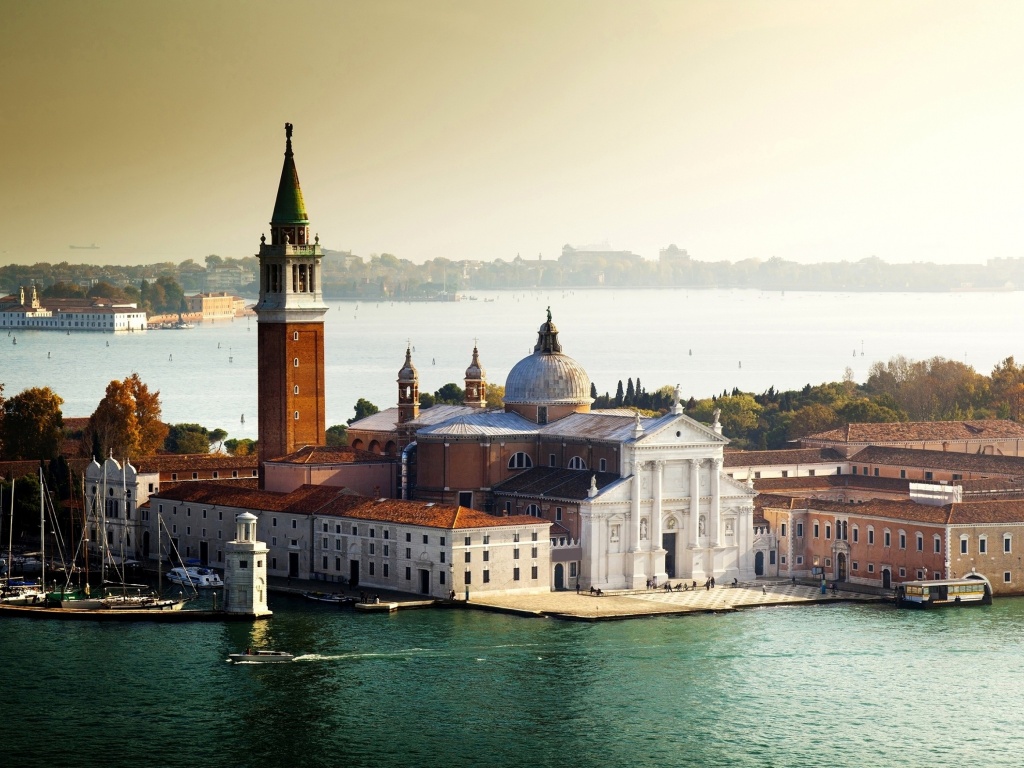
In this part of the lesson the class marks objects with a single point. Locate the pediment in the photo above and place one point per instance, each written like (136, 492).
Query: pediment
(680, 429)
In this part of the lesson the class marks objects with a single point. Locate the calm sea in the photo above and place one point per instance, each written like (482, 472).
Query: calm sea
(706, 341)
(841, 685)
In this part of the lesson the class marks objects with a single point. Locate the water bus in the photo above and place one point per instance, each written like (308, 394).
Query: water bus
(940, 593)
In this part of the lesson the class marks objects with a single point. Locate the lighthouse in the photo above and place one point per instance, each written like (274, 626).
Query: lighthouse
(245, 571)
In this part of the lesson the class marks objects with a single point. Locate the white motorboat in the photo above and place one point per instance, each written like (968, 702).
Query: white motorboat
(197, 576)
(260, 657)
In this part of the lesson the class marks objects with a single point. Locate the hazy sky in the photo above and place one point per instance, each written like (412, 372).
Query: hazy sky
(814, 131)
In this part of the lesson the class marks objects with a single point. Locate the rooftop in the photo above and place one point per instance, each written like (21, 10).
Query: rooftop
(908, 431)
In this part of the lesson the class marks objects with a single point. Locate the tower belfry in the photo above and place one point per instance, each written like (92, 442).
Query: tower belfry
(290, 316)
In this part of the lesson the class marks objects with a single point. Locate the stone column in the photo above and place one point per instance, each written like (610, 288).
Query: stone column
(656, 511)
(634, 523)
(715, 515)
(694, 500)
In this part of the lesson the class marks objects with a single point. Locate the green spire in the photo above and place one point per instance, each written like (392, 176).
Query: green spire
(289, 208)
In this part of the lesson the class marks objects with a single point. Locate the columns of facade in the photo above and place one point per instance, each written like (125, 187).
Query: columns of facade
(694, 500)
(715, 514)
(656, 511)
(634, 523)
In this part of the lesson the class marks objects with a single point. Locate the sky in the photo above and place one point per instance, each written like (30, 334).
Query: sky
(812, 131)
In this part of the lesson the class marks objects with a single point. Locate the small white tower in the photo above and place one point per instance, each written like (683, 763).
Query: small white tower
(245, 571)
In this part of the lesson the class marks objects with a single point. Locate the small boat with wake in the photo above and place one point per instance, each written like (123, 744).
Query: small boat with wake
(197, 576)
(260, 657)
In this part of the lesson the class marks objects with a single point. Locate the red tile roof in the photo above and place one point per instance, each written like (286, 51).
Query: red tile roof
(344, 454)
(910, 431)
(788, 456)
(955, 461)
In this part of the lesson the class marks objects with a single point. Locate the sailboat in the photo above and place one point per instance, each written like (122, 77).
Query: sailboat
(112, 595)
(19, 592)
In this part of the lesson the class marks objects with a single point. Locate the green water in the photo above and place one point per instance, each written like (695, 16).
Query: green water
(831, 685)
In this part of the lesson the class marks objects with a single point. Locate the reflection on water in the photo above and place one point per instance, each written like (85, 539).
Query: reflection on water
(827, 685)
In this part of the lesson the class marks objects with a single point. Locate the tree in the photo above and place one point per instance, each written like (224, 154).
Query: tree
(187, 438)
(217, 439)
(364, 408)
(152, 431)
(243, 447)
(811, 419)
(496, 395)
(114, 425)
(337, 435)
(426, 400)
(32, 425)
(619, 395)
(450, 393)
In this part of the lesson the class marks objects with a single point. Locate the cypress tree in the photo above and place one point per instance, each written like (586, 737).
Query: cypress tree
(618, 395)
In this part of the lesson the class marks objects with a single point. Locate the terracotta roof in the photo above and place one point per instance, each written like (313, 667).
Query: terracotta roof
(558, 483)
(909, 511)
(193, 462)
(908, 431)
(305, 499)
(786, 456)
(828, 482)
(427, 515)
(980, 512)
(322, 454)
(950, 460)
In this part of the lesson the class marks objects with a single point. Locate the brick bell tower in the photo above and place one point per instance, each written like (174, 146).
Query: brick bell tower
(290, 316)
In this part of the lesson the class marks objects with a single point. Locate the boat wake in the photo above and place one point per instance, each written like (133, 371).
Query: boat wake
(402, 654)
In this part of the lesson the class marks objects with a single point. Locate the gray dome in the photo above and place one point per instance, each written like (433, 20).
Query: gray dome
(408, 373)
(547, 377)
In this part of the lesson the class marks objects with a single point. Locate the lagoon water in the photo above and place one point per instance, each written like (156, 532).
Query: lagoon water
(706, 341)
(839, 685)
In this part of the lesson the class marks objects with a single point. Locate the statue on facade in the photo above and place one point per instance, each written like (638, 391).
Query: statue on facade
(702, 526)
(643, 528)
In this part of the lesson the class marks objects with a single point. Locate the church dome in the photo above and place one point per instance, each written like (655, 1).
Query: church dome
(547, 377)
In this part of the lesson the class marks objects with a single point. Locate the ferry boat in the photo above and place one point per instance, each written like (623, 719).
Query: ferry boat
(940, 593)
(201, 578)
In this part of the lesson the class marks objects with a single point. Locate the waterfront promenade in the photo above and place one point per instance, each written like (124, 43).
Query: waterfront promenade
(626, 604)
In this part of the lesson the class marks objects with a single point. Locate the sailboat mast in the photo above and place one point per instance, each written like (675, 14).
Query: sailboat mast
(159, 557)
(103, 529)
(42, 532)
(10, 534)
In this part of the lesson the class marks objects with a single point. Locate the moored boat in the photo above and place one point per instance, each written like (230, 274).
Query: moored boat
(199, 577)
(332, 598)
(941, 593)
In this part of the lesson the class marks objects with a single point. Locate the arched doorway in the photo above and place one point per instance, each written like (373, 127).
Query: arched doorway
(841, 567)
(886, 578)
(759, 564)
(559, 576)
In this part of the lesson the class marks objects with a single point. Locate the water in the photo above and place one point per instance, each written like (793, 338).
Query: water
(848, 685)
(746, 339)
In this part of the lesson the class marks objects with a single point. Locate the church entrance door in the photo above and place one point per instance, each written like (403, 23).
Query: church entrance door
(841, 567)
(759, 564)
(668, 543)
(559, 576)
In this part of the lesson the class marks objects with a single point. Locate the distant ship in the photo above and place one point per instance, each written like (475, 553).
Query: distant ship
(92, 247)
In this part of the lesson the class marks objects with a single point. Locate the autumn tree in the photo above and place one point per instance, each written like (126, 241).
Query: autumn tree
(495, 395)
(244, 446)
(127, 420)
(32, 426)
(1008, 389)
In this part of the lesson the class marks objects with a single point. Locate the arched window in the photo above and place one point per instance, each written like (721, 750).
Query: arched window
(577, 463)
(520, 460)
(533, 510)
(920, 541)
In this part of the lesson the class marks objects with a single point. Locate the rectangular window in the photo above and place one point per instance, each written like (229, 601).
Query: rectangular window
(887, 539)
(487, 555)
(551, 459)
(1006, 577)
(337, 563)
(408, 553)
(876, 471)
(782, 530)
(963, 546)
(815, 530)
(799, 559)
(920, 544)
(440, 577)
(515, 574)
(386, 553)
(325, 543)
(558, 514)
(927, 475)
(487, 539)
(771, 557)
(371, 548)
(515, 553)
(371, 569)
(387, 534)
(487, 577)
(828, 531)
(325, 562)
(408, 537)
(273, 522)
(937, 544)
(810, 473)
(903, 474)
(533, 553)
(469, 577)
(782, 558)
(757, 475)
(871, 536)
(385, 570)
(408, 573)
(903, 541)
(855, 565)
(533, 536)
(785, 473)
(442, 554)
(469, 557)
(856, 535)
(441, 541)
(295, 524)
(426, 539)
(982, 546)
(871, 567)
(355, 531)
(1006, 543)
(903, 572)
(533, 572)
(373, 533)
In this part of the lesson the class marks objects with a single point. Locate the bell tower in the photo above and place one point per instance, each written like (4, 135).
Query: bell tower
(476, 384)
(408, 390)
(290, 316)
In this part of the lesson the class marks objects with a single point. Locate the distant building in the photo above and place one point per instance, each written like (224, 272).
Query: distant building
(28, 311)
(213, 306)
(228, 278)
